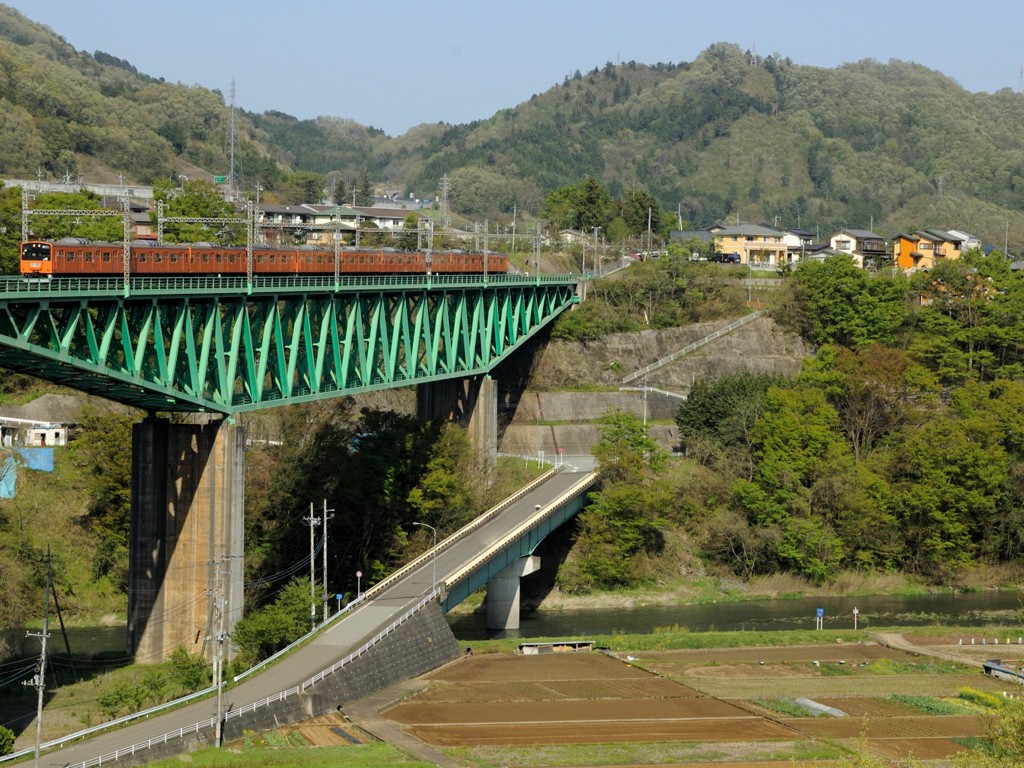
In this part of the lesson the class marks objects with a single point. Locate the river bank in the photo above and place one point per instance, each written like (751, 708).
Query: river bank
(721, 589)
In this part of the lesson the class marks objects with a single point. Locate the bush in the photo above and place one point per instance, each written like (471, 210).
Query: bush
(6, 740)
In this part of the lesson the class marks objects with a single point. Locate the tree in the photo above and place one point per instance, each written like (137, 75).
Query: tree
(834, 301)
(872, 389)
(408, 238)
(625, 449)
(443, 497)
(365, 197)
(301, 187)
(189, 670)
(580, 206)
(106, 449)
(796, 445)
(199, 199)
(724, 410)
(624, 520)
(947, 485)
(106, 228)
(266, 630)
(635, 207)
(10, 229)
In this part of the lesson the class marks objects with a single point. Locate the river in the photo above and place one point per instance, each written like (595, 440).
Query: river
(973, 609)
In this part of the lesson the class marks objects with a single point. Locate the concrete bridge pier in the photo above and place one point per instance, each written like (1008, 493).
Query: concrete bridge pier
(186, 537)
(503, 593)
(470, 403)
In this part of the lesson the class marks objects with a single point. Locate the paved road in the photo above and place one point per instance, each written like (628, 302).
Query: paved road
(336, 641)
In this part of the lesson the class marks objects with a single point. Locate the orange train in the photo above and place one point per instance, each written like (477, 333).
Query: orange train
(72, 257)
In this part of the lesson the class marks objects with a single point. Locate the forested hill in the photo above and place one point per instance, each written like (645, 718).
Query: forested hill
(895, 146)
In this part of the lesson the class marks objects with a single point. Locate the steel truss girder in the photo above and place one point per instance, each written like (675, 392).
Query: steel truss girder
(235, 351)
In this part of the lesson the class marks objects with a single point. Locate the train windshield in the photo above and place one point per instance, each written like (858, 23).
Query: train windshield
(35, 251)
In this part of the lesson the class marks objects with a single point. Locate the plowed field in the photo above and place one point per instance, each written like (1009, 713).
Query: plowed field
(588, 698)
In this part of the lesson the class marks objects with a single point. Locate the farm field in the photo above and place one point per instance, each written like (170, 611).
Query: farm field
(722, 707)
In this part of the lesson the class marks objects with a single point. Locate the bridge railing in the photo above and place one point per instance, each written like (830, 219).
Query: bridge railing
(110, 724)
(523, 527)
(114, 286)
(467, 529)
(210, 722)
(380, 586)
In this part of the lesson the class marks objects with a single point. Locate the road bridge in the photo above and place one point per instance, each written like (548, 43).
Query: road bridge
(393, 632)
(227, 346)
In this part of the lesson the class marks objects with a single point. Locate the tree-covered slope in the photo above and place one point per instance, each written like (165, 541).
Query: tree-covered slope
(893, 146)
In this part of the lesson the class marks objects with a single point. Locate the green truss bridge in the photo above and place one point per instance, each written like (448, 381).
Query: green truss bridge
(223, 345)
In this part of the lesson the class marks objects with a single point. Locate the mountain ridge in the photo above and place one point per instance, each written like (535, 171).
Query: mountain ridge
(893, 146)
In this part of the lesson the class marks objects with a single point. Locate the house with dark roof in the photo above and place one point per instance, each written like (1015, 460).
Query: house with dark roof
(863, 245)
(923, 248)
(799, 244)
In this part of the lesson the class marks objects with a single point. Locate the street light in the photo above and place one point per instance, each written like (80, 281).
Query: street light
(433, 559)
(359, 584)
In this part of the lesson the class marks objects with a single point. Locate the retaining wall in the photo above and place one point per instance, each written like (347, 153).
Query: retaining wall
(421, 644)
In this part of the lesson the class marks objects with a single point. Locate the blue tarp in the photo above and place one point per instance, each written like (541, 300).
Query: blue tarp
(33, 458)
(37, 458)
(7, 479)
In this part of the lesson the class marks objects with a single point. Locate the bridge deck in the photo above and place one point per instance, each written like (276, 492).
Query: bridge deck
(455, 558)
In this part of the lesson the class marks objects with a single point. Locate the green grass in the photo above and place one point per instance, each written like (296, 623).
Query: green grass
(933, 667)
(786, 707)
(361, 756)
(655, 753)
(680, 638)
(931, 705)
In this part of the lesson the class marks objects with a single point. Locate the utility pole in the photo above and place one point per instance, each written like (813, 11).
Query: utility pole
(39, 681)
(218, 660)
(325, 519)
(312, 521)
(444, 201)
(648, 229)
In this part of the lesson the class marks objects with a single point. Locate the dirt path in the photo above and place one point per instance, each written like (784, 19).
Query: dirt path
(898, 642)
(365, 713)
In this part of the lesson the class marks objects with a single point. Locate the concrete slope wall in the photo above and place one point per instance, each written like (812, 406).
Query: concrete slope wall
(555, 411)
(759, 347)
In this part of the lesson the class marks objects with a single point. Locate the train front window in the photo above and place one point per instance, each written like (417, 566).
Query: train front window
(35, 251)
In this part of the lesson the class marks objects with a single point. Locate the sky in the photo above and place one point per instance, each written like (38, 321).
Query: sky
(398, 64)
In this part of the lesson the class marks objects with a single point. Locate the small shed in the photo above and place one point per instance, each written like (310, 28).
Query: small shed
(557, 646)
(46, 436)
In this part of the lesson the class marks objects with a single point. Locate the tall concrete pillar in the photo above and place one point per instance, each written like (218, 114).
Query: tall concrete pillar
(186, 539)
(470, 403)
(503, 593)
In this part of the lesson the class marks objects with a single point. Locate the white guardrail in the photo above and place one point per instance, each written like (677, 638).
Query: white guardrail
(211, 722)
(196, 727)
(523, 527)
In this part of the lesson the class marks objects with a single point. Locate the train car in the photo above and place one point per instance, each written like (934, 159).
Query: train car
(73, 257)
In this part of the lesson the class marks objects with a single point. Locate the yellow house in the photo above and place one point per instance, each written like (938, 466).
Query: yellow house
(756, 245)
